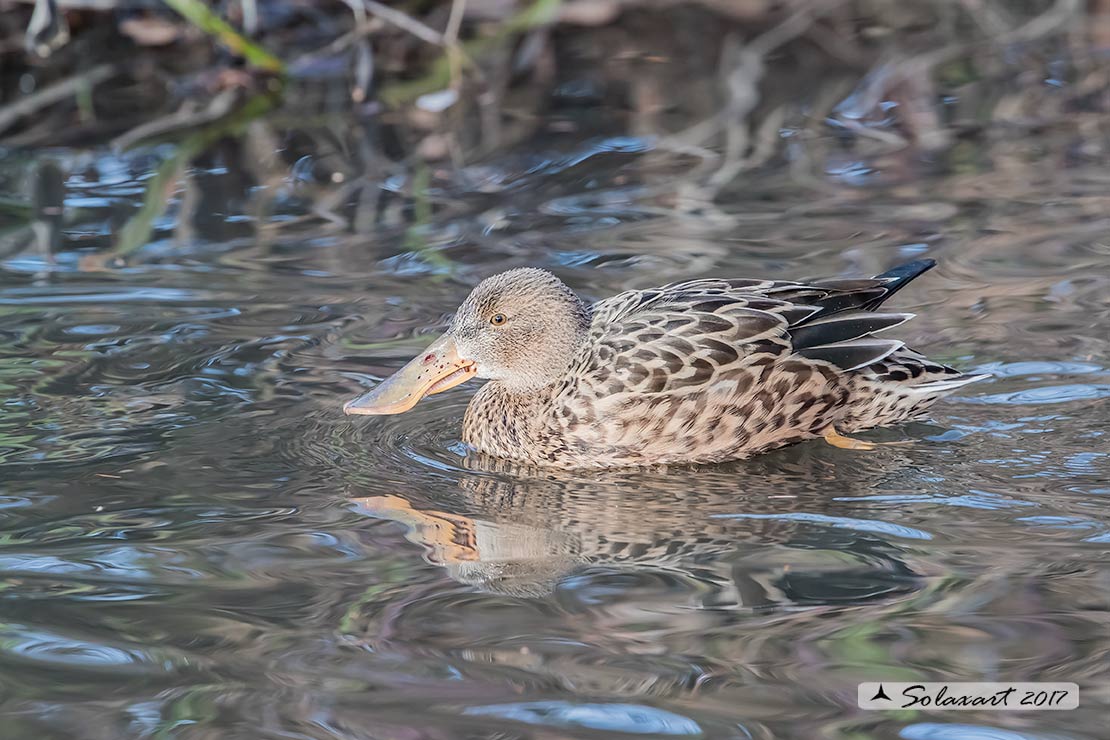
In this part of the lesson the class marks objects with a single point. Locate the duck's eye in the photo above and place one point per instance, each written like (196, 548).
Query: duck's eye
(498, 319)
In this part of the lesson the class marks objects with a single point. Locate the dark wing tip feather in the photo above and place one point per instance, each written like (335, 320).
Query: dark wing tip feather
(843, 327)
(908, 271)
(899, 277)
(853, 355)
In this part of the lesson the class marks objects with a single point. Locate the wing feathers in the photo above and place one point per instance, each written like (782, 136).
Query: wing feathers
(687, 332)
(945, 386)
(844, 327)
(854, 354)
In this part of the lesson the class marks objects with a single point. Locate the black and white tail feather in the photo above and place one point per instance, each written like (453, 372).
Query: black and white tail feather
(842, 331)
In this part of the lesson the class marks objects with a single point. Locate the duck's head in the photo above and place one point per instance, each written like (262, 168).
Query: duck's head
(521, 328)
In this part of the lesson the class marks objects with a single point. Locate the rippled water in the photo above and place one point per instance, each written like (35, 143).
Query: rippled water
(196, 543)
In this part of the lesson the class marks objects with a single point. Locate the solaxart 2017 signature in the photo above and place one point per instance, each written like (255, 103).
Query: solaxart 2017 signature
(941, 696)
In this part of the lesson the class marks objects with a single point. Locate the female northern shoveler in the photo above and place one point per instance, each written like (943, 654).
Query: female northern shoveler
(694, 372)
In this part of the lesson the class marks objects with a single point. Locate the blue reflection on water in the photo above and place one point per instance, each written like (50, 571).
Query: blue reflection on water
(630, 718)
(939, 731)
(840, 522)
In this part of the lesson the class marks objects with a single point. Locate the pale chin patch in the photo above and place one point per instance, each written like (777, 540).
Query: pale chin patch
(487, 373)
(465, 355)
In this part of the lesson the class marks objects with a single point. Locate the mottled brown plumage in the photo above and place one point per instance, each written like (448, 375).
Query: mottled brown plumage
(694, 372)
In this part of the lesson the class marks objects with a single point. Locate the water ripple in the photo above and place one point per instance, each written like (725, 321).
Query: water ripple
(1045, 395)
(862, 525)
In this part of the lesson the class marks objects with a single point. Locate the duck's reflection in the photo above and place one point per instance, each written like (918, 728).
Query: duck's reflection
(761, 533)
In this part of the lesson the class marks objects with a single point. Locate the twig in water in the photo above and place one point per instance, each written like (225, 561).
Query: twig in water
(405, 22)
(364, 54)
(183, 119)
(451, 39)
(59, 91)
(47, 29)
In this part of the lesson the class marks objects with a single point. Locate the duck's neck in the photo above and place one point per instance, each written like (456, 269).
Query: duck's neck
(509, 423)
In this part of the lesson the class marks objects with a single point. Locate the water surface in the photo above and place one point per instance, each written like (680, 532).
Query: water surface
(196, 543)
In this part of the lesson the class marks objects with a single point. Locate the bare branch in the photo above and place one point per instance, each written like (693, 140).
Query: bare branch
(57, 92)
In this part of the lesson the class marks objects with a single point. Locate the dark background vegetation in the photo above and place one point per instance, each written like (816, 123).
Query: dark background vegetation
(368, 110)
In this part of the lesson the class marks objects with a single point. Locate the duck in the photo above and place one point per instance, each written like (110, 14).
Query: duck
(696, 372)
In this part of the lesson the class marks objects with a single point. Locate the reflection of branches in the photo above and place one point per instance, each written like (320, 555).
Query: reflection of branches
(918, 66)
(743, 70)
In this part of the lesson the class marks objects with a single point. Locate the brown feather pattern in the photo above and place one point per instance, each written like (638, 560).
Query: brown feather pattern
(712, 370)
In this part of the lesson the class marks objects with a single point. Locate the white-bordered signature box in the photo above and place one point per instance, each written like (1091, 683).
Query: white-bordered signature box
(941, 696)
